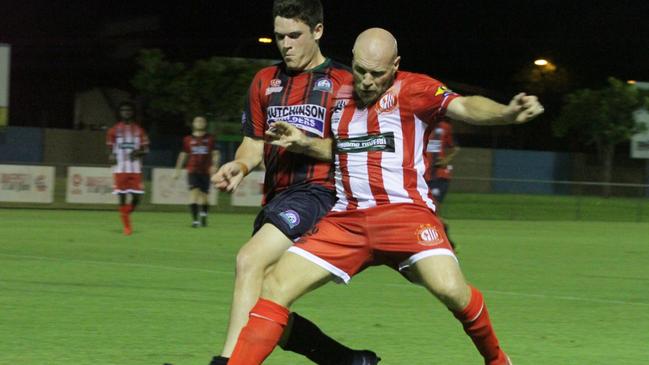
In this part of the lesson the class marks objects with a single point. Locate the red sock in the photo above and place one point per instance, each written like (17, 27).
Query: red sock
(477, 325)
(126, 220)
(130, 208)
(260, 336)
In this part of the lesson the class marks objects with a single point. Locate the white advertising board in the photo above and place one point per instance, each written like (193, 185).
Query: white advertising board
(640, 141)
(250, 191)
(90, 185)
(26, 184)
(167, 190)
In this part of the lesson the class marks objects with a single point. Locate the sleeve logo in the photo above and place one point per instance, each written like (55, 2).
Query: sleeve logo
(443, 90)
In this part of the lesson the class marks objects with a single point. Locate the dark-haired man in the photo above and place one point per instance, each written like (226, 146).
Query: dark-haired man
(298, 187)
(127, 143)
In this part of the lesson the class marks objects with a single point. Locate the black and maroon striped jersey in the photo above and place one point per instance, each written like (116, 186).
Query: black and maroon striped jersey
(305, 100)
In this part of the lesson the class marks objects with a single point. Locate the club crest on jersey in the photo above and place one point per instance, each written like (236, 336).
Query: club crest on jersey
(274, 87)
(324, 85)
(428, 235)
(291, 217)
(387, 103)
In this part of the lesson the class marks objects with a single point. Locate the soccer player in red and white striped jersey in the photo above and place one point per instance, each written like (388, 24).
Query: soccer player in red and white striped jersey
(127, 143)
(385, 213)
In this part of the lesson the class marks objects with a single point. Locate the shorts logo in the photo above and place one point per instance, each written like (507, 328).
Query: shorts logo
(387, 103)
(428, 235)
(291, 218)
(324, 85)
(275, 87)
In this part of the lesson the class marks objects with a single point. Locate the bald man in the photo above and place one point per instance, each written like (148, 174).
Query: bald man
(380, 133)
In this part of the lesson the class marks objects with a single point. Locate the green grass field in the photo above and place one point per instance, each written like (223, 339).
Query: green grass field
(74, 291)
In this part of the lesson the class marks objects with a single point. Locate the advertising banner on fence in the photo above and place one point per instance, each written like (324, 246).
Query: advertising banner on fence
(250, 191)
(167, 190)
(26, 184)
(90, 185)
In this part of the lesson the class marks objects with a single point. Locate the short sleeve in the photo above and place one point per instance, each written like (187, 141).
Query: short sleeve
(254, 115)
(144, 138)
(186, 142)
(428, 97)
(110, 137)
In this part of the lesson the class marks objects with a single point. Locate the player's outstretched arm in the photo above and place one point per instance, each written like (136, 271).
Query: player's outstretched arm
(483, 111)
(290, 137)
(248, 156)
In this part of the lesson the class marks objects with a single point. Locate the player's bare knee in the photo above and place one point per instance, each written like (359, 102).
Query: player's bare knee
(453, 293)
(273, 288)
(248, 263)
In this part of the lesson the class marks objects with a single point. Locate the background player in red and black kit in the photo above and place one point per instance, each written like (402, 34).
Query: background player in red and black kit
(298, 188)
(127, 143)
(203, 161)
(440, 151)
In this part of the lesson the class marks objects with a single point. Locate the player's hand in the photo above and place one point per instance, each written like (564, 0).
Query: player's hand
(522, 108)
(286, 135)
(136, 154)
(228, 177)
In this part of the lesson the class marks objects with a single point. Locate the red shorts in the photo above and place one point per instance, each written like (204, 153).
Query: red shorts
(397, 235)
(128, 183)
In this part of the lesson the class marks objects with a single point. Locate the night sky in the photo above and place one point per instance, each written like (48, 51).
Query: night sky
(59, 48)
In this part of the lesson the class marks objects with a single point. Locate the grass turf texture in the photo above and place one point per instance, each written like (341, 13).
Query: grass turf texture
(73, 290)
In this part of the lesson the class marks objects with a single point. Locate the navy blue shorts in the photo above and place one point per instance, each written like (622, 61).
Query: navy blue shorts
(199, 181)
(297, 209)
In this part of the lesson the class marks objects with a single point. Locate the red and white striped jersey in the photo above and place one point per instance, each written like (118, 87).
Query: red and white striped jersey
(380, 149)
(123, 139)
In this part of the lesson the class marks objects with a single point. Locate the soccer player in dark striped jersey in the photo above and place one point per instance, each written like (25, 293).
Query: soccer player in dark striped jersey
(298, 185)
(202, 159)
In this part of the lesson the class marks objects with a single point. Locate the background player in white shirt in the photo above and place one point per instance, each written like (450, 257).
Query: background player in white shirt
(127, 143)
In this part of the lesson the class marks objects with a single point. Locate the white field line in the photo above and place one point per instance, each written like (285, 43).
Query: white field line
(175, 268)
(95, 262)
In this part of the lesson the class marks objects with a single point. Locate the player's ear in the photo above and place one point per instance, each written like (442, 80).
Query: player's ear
(318, 30)
(396, 63)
